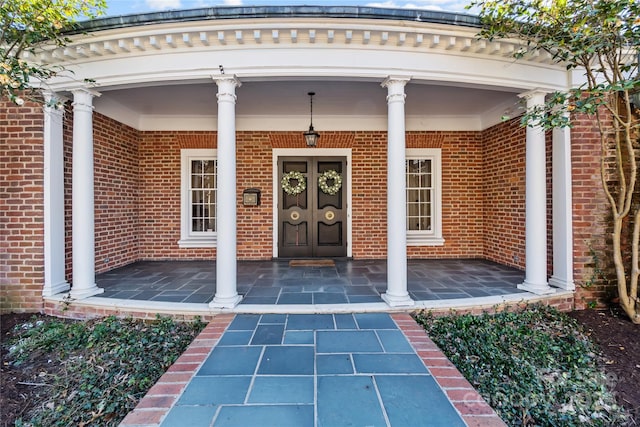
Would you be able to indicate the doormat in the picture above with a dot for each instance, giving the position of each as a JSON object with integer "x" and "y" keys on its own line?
{"x": 312, "y": 263}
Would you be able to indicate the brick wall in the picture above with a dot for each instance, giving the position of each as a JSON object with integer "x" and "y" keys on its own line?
{"x": 503, "y": 185}
{"x": 116, "y": 193}
{"x": 159, "y": 202}
{"x": 462, "y": 207}
{"x": 116, "y": 178}
{"x": 369, "y": 195}
{"x": 21, "y": 207}
{"x": 590, "y": 211}
{"x": 254, "y": 170}
{"x": 159, "y": 179}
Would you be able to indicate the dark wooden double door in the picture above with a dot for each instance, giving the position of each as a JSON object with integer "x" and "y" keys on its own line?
{"x": 312, "y": 223}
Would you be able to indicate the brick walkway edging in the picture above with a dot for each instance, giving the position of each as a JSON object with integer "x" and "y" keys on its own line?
{"x": 475, "y": 411}
{"x": 155, "y": 405}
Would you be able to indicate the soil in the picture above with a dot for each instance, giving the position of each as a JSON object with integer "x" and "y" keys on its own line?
{"x": 619, "y": 342}
{"x": 21, "y": 387}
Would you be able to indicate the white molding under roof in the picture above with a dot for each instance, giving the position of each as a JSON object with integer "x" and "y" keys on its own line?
{"x": 287, "y": 123}
{"x": 264, "y": 48}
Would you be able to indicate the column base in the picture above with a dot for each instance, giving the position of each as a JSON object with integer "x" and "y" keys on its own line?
{"x": 228, "y": 302}
{"x": 58, "y": 288}
{"x": 562, "y": 284}
{"x": 537, "y": 288}
{"x": 394, "y": 301}
{"x": 85, "y": 293}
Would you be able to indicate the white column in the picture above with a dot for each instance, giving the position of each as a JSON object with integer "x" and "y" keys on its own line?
{"x": 562, "y": 211}
{"x": 536, "y": 203}
{"x": 226, "y": 264}
{"x": 84, "y": 271}
{"x": 396, "y": 294}
{"x": 54, "y": 262}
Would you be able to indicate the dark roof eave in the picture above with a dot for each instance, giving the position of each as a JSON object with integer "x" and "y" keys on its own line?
{"x": 213, "y": 13}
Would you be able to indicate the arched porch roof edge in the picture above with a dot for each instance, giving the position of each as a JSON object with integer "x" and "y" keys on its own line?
{"x": 220, "y": 13}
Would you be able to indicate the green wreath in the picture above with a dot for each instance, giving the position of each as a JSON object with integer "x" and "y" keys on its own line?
{"x": 330, "y": 175}
{"x": 290, "y": 189}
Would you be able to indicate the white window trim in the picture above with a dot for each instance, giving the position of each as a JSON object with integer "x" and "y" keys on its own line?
{"x": 189, "y": 239}
{"x": 431, "y": 237}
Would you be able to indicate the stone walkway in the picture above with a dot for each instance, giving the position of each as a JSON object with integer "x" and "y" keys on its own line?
{"x": 317, "y": 370}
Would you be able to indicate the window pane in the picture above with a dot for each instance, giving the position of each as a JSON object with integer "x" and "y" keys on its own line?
{"x": 208, "y": 167}
{"x": 196, "y": 166}
{"x": 413, "y": 180}
{"x": 203, "y": 195}
{"x": 425, "y": 180}
{"x": 419, "y": 194}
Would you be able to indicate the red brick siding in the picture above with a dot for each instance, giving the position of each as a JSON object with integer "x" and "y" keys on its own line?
{"x": 369, "y": 195}
{"x": 462, "y": 208}
{"x": 590, "y": 211}
{"x": 254, "y": 170}
{"x": 116, "y": 193}
{"x": 160, "y": 192}
{"x": 21, "y": 207}
{"x": 503, "y": 185}
{"x": 159, "y": 202}
{"x": 115, "y": 148}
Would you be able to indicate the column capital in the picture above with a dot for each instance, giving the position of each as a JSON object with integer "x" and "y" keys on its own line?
{"x": 395, "y": 81}
{"x": 83, "y": 97}
{"x": 395, "y": 88}
{"x": 534, "y": 97}
{"x": 227, "y": 81}
{"x": 54, "y": 102}
{"x": 227, "y": 85}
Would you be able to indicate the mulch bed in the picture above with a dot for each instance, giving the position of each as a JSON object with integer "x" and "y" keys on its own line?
{"x": 618, "y": 338}
{"x": 619, "y": 342}
{"x": 18, "y": 390}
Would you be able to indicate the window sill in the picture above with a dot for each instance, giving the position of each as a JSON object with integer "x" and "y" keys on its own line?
{"x": 198, "y": 242}
{"x": 425, "y": 241}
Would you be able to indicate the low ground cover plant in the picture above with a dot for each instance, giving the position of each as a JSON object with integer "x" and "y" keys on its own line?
{"x": 101, "y": 368}
{"x": 535, "y": 367}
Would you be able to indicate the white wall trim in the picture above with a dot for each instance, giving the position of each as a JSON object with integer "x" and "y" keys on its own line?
{"x": 316, "y": 152}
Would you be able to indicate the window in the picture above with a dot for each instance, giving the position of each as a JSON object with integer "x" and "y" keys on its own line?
{"x": 198, "y": 195}
{"x": 424, "y": 199}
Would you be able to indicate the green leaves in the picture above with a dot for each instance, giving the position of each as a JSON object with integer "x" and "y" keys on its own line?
{"x": 599, "y": 39}
{"x": 28, "y": 25}
{"x": 534, "y": 367}
{"x": 108, "y": 365}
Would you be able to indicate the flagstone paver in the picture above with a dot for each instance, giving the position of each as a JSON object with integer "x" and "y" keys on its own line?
{"x": 317, "y": 370}
{"x": 277, "y": 283}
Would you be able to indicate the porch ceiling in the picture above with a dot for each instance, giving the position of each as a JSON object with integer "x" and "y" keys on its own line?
{"x": 288, "y": 98}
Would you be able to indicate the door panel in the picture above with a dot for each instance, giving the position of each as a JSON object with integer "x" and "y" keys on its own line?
{"x": 312, "y": 223}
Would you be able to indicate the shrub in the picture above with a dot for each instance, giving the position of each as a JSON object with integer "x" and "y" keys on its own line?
{"x": 534, "y": 367}
{"x": 104, "y": 366}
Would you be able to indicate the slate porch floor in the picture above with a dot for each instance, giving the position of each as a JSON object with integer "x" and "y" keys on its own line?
{"x": 275, "y": 282}
{"x": 313, "y": 370}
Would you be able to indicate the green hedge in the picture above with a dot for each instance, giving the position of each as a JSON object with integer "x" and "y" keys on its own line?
{"x": 535, "y": 367}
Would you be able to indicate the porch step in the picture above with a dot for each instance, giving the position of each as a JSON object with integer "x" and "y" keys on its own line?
{"x": 312, "y": 263}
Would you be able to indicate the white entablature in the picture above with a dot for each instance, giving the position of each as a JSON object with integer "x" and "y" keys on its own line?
{"x": 298, "y": 47}
{"x": 204, "y": 35}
